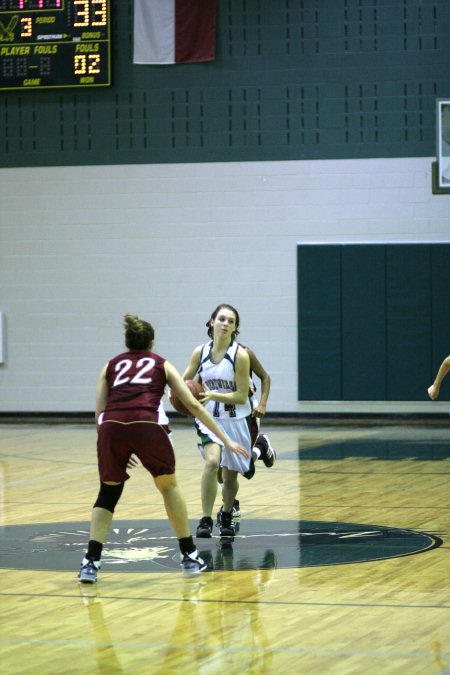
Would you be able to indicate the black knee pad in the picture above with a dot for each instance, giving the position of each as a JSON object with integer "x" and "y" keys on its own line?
{"x": 108, "y": 496}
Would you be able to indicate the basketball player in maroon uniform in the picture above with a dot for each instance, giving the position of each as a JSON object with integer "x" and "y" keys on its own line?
{"x": 128, "y": 395}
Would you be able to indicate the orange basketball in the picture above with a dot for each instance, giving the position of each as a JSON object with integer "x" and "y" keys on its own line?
{"x": 196, "y": 389}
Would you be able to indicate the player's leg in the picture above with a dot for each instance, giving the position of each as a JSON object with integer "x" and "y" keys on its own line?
{"x": 176, "y": 510}
{"x": 102, "y": 515}
{"x": 240, "y": 430}
{"x": 261, "y": 444}
{"x": 230, "y": 490}
{"x": 208, "y": 488}
{"x": 103, "y": 510}
{"x": 174, "y": 504}
{"x": 209, "y": 481}
{"x": 236, "y": 510}
{"x": 113, "y": 451}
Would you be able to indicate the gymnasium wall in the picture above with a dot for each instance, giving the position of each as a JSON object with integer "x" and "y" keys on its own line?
{"x": 180, "y": 188}
{"x": 83, "y": 245}
{"x": 298, "y": 79}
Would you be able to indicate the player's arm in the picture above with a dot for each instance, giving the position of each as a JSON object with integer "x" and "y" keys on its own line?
{"x": 101, "y": 393}
{"x": 433, "y": 391}
{"x": 183, "y": 393}
{"x": 193, "y": 365}
{"x": 242, "y": 377}
{"x": 260, "y": 372}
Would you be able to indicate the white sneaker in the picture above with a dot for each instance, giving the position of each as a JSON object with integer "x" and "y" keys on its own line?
{"x": 191, "y": 563}
{"x": 88, "y": 571}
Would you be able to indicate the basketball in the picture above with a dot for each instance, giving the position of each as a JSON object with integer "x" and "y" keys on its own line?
{"x": 196, "y": 389}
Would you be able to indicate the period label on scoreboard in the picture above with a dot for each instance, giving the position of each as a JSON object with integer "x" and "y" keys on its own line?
{"x": 54, "y": 43}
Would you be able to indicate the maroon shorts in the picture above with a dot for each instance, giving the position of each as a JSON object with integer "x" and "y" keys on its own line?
{"x": 122, "y": 434}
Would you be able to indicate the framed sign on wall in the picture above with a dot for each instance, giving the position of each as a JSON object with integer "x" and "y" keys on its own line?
{"x": 443, "y": 142}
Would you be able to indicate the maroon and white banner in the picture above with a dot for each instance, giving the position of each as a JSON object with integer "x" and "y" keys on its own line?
{"x": 174, "y": 31}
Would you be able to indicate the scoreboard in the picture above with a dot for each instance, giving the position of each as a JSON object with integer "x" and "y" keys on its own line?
{"x": 54, "y": 43}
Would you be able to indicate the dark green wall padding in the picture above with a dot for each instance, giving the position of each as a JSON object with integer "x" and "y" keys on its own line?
{"x": 297, "y": 79}
{"x": 373, "y": 321}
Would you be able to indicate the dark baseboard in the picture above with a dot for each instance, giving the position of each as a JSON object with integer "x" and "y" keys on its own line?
{"x": 272, "y": 418}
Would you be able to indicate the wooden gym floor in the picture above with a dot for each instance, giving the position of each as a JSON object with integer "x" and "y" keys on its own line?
{"x": 341, "y": 563}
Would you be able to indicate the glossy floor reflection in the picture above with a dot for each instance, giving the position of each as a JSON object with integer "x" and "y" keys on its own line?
{"x": 340, "y": 564}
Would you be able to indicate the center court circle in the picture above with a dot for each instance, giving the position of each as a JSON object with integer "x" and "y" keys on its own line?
{"x": 150, "y": 545}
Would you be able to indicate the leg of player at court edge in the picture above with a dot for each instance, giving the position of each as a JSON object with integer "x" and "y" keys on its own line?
{"x": 101, "y": 517}
{"x": 177, "y": 513}
{"x": 100, "y": 523}
{"x": 236, "y": 507}
{"x": 174, "y": 503}
{"x": 230, "y": 489}
{"x": 209, "y": 477}
{"x": 209, "y": 487}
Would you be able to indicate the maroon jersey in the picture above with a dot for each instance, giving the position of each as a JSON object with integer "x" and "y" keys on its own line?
{"x": 136, "y": 381}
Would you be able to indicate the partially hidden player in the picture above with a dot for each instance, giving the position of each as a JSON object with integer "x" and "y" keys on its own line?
{"x": 433, "y": 390}
{"x": 262, "y": 448}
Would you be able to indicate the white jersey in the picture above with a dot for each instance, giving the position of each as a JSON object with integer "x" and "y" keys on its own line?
{"x": 221, "y": 378}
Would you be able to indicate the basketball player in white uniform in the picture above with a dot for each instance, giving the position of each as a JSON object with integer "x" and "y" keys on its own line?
{"x": 223, "y": 367}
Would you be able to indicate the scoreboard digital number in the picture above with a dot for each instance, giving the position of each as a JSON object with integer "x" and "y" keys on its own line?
{"x": 54, "y": 43}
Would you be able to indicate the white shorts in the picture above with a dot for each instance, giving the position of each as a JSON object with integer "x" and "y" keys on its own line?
{"x": 238, "y": 430}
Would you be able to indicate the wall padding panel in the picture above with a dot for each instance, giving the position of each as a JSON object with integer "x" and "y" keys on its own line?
{"x": 373, "y": 320}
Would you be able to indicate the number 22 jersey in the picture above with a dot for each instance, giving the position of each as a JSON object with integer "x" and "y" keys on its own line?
{"x": 136, "y": 381}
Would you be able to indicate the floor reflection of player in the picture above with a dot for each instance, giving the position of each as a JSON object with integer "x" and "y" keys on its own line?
{"x": 437, "y": 653}
{"x": 224, "y": 559}
{"x": 105, "y": 655}
{"x": 226, "y": 631}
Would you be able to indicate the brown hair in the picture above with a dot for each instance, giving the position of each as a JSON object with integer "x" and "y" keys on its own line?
{"x": 139, "y": 334}
{"x": 215, "y": 313}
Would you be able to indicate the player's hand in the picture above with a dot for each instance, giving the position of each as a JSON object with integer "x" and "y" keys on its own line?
{"x": 259, "y": 410}
{"x": 205, "y": 397}
{"x": 132, "y": 462}
{"x": 237, "y": 449}
{"x": 433, "y": 392}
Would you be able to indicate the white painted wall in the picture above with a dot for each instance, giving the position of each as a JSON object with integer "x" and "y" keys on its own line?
{"x": 81, "y": 246}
